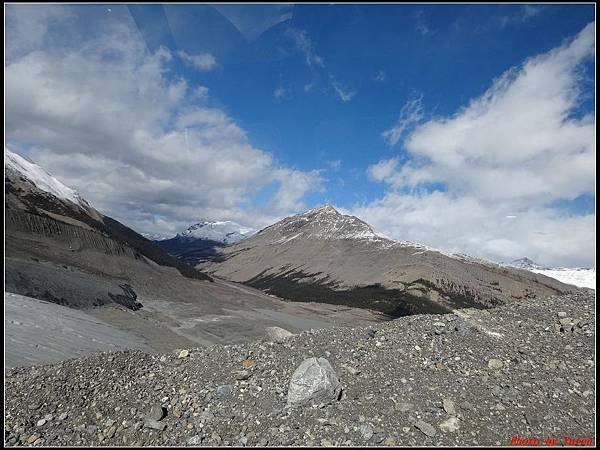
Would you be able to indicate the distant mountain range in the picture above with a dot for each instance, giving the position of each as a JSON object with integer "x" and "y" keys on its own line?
{"x": 322, "y": 255}
{"x": 577, "y": 276}
{"x": 199, "y": 242}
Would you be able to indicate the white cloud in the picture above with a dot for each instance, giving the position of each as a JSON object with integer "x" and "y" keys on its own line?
{"x": 523, "y": 14}
{"x": 28, "y": 25}
{"x": 341, "y": 91}
{"x": 410, "y": 115}
{"x": 470, "y": 225}
{"x": 280, "y": 94}
{"x": 305, "y": 46}
{"x": 200, "y": 93}
{"x": 334, "y": 165}
{"x": 201, "y": 61}
{"x": 140, "y": 145}
{"x": 502, "y": 159}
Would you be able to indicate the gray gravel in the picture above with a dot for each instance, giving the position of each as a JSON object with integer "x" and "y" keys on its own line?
{"x": 406, "y": 382}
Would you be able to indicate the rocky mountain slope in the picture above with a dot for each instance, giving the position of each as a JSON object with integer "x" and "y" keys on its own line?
{"x": 37, "y": 203}
{"x": 58, "y": 248}
{"x": 201, "y": 241}
{"x": 326, "y": 256}
{"x": 470, "y": 378}
{"x": 577, "y": 276}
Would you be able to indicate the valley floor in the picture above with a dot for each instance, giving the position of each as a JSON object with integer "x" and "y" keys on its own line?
{"x": 473, "y": 377}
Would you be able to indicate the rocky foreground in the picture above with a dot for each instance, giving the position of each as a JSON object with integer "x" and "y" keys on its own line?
{"x": 475, "y": 377}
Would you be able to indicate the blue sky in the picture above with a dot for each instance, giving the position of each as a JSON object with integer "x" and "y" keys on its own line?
{"x": 283, "y": 107}
{"x": 447, "y": 54}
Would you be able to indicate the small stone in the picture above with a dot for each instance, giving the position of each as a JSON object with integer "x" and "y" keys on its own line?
{"x": 561, "y": 314}
{"x": 449, "y": 406}
{"x": 195, "y": 440}
{"x": 184, "y": 354}
{"x": 366, "y": 432}
{"x": 63, "y": 416}
{"x": 351, "y": 370}
{"x": 224, "y": 390}
{"x": 533, "y": 421}
{"x": 111, "y": 432}
{"x": 242, "y": 374}
{"x": 155, "y": 424}
{"x": 390, "y": 442}
{"x": 40, "y": 423}
{"x": 450, "y": 426}
{"x": 157, "y": 412}
{"x": 425, "y": 428}
{"x": 278, "y": 334}
{"x": 495, "y": 364}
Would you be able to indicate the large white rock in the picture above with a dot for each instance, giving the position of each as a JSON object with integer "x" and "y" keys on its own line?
{"x": 315, "y": 383}
{"x": 278, "y": 334}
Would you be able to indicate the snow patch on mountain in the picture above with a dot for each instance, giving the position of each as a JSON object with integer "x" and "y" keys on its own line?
{"x": 226, "y": 232}
{"x": 41, "y": 179}
{"x": 580, "y": 277}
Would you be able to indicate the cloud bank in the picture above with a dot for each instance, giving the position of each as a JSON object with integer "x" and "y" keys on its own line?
{"x": 143, "y": 145}
{"x": 513, "y": 151}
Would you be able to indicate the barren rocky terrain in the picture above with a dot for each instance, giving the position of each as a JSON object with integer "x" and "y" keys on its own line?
{"x": 472, "y": 377}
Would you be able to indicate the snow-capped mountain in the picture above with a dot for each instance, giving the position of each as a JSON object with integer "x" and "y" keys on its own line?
{"x": 41, "y": 179}
{"x": 577, "y": 276}
{"x": 200, "y": 241}
{"x": 225, "y": 232}
{"x": 156, "y": 236}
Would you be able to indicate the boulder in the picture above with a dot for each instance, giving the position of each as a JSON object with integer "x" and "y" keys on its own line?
{"x": 314, "y": 382}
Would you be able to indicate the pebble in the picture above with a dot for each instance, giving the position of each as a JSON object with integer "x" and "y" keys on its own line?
{"x": 495, "y": 364}
{"x": 425, "y": 428}
{"x": 449, "y": 406}
{"x": 450, "y": 425}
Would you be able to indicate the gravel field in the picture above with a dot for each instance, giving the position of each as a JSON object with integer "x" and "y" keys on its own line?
{"x": 474, "y": 377}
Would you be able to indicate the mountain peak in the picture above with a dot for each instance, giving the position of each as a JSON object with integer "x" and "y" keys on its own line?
{"x": 525, "y": 263}
{"x": 323, "y": 209}
{"x": 322, "y": 222}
